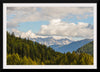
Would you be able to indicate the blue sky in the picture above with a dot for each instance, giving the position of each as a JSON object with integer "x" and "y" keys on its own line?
{"x": 34, "y": 26}
{"x": 51, "y": 21}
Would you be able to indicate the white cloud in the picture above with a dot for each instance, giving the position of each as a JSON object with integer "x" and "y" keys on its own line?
{"x": 21, "y": 14}
{"x": 59, "y": 28}
{"x": 60, "y": 12}
{"x": 24, "y": 14}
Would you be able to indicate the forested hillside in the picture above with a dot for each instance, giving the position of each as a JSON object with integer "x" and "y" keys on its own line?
{"x": 88, "y": 48}
{"x": 26, "y": 52}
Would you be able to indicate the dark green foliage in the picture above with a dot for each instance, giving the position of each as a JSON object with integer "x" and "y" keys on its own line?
{"x": 26, "y": 52}
{"x": 88, "y": 48}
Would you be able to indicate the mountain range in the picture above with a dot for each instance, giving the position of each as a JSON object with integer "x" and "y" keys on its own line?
{"x": 51, "y": 41}
{"x": 70, "y": 47}
{"x": 62, "y": 45}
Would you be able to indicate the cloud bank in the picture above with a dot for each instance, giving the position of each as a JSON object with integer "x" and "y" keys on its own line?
{"x": 24, "y": 14}
{"x": 59, "y": 28}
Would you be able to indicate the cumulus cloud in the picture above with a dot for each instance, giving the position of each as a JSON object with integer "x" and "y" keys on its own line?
{"x": 24, "y": 14}
{"x": 59, "y": 28}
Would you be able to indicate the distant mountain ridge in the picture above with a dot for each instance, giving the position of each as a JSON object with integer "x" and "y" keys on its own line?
{"x": 51, "y": 41}
{"x": 70, "y": 47}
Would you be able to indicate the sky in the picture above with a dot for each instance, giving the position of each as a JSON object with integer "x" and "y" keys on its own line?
{"x": 74, "y": 23}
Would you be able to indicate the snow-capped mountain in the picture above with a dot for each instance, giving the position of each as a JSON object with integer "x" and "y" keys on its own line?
{"x": 51, "y": 41}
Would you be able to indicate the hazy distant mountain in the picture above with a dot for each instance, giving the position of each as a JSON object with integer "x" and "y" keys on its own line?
{"x": 70, "y": 47}
{"x": 51, "y": 41}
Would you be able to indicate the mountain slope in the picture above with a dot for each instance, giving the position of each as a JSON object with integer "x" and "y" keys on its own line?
{"x": 88, "y": 48}
{"x": 71, "y": 47}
